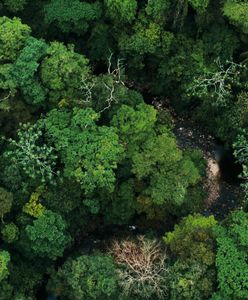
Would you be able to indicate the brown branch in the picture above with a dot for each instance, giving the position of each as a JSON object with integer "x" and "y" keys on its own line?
{"x": 141, "y": 263}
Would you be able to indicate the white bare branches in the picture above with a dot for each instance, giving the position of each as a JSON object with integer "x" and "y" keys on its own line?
{"x": 111, "y": 98}
{"x": 217, "y": 84}
{"x": 110, "y": 63}
{"x": 6, "y": 97}
{"x": 114, "y": 79}
{"x": 117, "y": 72}
{"x": 143, "y": 265}
{"x": 116, "y": 75}
{"x": 87, "y": 88}
{"x": 27, "y": 153}
{"x": 5, "y": 101}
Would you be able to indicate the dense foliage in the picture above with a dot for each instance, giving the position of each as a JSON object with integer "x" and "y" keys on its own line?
{"x": 90, "y": 93}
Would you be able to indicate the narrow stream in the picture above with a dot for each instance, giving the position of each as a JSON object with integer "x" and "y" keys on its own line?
{"x": 230, "y": 193}
{"x": 222, "y": 182}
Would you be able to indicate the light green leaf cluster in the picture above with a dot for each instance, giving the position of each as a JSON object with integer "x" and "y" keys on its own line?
{"x": 193, "y": 239}
{"x": 13, "y": 35}
{"x": 236, "y": 11}
{"x": 62, "y": 71}
{"x": 158, "y": 8}
{"x": 193, "y": 244}
{"x": 89, "y": 152}
{"x": 4, "y": 261}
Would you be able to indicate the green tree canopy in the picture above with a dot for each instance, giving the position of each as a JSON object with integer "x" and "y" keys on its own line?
{"x": 193, "y": 244}
{"x": 86, "y": 277}
{"x": 24, "y": 70}
{"x": 89, "y": 152}
{"x": 191, "y": 281}
{"x": 193, "y": 239}
{"x": 47, "y": 236}
{"x": 13, "y": 35}
{"x": 199, "y": 5}
{"x": 148, "y": 38}
{"x": 231, "y": 258}
{"x": 72, "y": 16}
{"x": 4, "y": 261}
{"x": 10, "y": 233}
{"x": 155, "y": 157}
{"x": 62, "y": 71}
{"x": 120, "y": 206}
{"x": 121, "y": 10}
{"x": 236, "y": 11}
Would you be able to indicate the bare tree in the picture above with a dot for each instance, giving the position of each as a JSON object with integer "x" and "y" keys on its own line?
{"x": 87, "y": 87}
{"x": 218, "y": 83}
{"x": 5, "y": 101}
{"x": 142, "y": 269}
{"x": 6, "y": 97}
{"x": 115, "y": 74}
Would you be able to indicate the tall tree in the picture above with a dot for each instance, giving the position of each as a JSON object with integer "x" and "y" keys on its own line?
{"x": 47, "y": 237}
{"x": 90, "y": 153}
{"x": 72, "y": 16}
{"x": 231, "y": 258}
{"x": 86, "y": 277}
{"x": 193, "y": 244}
{"x": 24, "y": 69}
{"x": 4, "y": 261}
{"x": 13, "y": 35}
{"x": 62, "y": 71}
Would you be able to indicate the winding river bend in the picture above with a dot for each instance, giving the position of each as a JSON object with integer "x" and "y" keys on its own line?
{"x": 222, "y": 182}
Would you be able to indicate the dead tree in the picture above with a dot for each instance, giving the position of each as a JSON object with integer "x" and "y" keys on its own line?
{"x": 142, "y": 267}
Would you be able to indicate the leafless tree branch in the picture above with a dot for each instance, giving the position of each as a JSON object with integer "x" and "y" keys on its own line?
{"x": 142, "y": 264}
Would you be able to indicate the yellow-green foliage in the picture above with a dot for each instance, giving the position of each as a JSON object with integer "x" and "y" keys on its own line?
{"x": 34, "y": 208}
{"x": 237, "y": 12}
{"x": 193, "y": 240}
{"x": 193, "y": 244}
{"x": 13, "y": 35}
